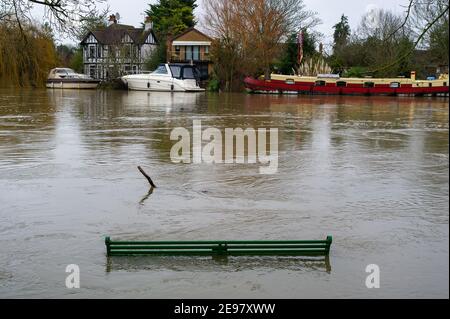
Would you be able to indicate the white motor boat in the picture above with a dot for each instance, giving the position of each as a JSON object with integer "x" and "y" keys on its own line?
{"x": 166, "y": 78}
{"x": 65, "y": 78}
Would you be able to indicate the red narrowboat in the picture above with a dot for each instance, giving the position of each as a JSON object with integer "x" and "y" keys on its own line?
{"x": 333, "y": 84}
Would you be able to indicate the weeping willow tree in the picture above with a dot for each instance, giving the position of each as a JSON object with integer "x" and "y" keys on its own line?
{"x": 27, "y": 53}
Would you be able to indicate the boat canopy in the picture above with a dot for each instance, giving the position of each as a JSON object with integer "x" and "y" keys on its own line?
{"x": 63, "y": 71}
{"x": 179, "y": 71}
{"x": 184, "y": 72}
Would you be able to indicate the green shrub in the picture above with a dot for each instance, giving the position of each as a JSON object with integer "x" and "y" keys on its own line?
{"x": 214, "y": 85}
{"x": 356, "y": 72}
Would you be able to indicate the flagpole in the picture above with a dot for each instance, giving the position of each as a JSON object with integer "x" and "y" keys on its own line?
{"x": 300, "y": 50}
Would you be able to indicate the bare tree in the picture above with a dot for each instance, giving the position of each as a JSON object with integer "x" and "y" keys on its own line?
{"x": 381, "y": 24}
{"x": 421, "y": 18}
{"x": 250, "y": 33}
{"x": 62, "y": 16}
{"x": 227, "y": 49}
{"x": 264, "y": 25}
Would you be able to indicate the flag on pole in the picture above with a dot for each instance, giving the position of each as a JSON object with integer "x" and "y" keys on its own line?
{"x": 300, "y": 47}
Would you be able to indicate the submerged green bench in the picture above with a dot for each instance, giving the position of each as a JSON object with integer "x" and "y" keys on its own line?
{"x": 225, "y": 248}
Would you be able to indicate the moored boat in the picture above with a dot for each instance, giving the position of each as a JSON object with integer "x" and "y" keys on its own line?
{"x": 65, "y": 78}
{"x": 166, "y": 78}
{"x": 333, "y": 84}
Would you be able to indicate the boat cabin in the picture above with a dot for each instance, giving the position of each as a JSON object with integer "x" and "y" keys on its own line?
{"x": 178, "y": 71}
{"x": 61, "y": 73}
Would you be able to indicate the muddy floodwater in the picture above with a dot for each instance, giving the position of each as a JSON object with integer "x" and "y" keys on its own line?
{"x": 370, "y": 171}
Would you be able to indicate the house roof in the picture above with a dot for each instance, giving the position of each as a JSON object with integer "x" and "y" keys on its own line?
{"x": 114, "y": 33}
{"x": 188, "y": 31}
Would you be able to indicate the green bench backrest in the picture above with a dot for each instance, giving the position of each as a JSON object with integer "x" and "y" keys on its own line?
{"x": 229, "y": 248}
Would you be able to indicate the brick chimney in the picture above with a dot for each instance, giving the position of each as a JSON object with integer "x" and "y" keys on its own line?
{"x": 112, "y": 20}
{"x": 148, "y": 24}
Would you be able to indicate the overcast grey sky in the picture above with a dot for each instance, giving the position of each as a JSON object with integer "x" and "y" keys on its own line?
{"x": 329, "y": 11}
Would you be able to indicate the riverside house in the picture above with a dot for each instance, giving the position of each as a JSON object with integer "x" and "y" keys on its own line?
{"x": 193, "y": 47}
{"x": 117, "y": 49}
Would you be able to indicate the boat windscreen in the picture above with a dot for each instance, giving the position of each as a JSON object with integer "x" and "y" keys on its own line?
{"x": 190, "y": 73}
{"x": 160, "y": 70}
{"x": 176, "y": 71}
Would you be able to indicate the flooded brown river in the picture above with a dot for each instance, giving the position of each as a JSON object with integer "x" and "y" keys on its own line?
{"x": 370, "y": 171}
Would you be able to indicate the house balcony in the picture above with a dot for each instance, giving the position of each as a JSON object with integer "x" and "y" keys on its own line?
{"x": 180, "y": 57}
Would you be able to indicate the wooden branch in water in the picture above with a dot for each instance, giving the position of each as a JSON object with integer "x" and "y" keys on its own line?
{"x": 147, "y": 177}
{"x": 150, "y": 192}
